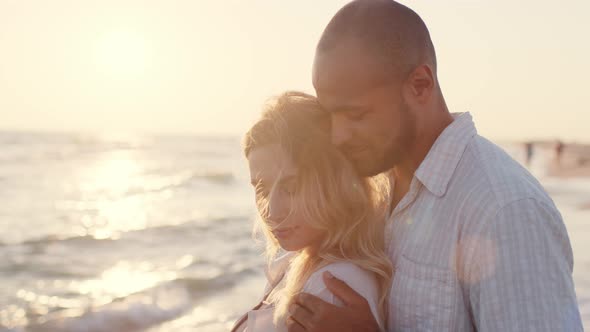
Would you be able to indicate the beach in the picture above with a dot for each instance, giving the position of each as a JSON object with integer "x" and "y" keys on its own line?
{"x": 153, "y": 233}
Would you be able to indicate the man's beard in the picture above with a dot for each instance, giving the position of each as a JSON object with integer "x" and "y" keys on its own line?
{"x": 396, "y": 151}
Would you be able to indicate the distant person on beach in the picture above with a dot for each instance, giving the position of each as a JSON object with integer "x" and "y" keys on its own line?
{"x": 529, "y": 149}
{"x": 559, "y": 146}
{"x": 475, "y": 241}
{"x": 316, "y": 214}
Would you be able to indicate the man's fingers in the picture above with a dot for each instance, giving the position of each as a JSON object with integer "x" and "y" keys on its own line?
{"x": 293, "y": 326}
{"x": 301, "y": 315}
{"x": 339, "y": 288}
{"x": 312, "y": 303}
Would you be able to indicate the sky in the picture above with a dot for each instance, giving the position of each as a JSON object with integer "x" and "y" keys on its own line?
{"x": 206, "y": 67}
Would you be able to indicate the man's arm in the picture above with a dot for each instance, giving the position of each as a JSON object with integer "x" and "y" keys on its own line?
{"x": 519, "y": 273}
{"x": 312, "y": 314}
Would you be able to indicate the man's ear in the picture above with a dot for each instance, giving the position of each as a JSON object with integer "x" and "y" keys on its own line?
{"x": 420, "y": 85}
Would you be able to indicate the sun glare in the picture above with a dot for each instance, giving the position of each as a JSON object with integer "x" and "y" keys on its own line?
{"x": 122, "y": 280}
{"x": 122, "y": 54}
{"x": 117, "y": 209}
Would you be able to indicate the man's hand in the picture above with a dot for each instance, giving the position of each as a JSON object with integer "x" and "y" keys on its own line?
{"x": 309, "y": 313}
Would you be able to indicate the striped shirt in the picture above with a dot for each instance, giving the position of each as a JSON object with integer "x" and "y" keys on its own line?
{"x": 478, "y": 245}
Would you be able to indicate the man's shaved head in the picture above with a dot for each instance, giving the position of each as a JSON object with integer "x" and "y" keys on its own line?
{"x": 385, "y": 29}
{"x": 375, "y": 72}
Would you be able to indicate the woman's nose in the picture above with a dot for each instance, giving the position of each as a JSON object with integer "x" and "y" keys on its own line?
{"x": 278, "y": 207}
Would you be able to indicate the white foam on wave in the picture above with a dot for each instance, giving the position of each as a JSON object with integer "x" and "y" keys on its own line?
{"x": 134, "y": 313}
{"x": 218, "y": 313}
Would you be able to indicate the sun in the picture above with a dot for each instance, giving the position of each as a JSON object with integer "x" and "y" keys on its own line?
{"x": 122, "y": 54}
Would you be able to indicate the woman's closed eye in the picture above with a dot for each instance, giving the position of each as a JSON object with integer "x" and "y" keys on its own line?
{"x": 288, "y": 186}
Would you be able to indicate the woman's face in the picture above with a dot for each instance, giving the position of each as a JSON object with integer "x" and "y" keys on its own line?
{"x": 273, "y": 176}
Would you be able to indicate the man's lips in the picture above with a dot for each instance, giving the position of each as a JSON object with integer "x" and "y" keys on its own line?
{"x": 353, "y": 151}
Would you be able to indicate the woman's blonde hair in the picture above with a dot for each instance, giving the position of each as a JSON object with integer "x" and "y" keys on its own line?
{"x": 329, "y": 195}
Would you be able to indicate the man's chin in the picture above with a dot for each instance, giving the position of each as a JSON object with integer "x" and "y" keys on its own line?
{"x": 368, "y": 169}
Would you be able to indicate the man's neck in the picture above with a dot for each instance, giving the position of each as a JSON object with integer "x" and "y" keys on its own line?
{"x": 403, "y": 172}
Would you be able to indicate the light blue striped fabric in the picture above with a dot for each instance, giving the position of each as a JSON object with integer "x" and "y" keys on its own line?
{"x": 478, "y": 245}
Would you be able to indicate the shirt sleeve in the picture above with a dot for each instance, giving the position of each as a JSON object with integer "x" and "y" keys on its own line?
{"x": 520, "y": 274}
{"x": 359, "y": 280}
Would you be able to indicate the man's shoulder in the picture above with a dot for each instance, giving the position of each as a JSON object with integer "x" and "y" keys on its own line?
{"x": 489, "y": 184}
{"x": 494, "y": 175}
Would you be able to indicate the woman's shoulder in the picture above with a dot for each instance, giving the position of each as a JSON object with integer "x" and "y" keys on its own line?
{"x": 347, "y": 269}
{"x": 359, "y": 279}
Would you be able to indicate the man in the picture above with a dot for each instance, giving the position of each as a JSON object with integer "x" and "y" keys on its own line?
{"x": 476, "y": 243}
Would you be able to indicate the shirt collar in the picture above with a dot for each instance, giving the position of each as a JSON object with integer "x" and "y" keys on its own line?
{"x": 436, "y": 170}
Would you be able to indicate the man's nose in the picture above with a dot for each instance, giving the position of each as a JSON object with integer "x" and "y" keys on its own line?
{"x": 340, "y": 131}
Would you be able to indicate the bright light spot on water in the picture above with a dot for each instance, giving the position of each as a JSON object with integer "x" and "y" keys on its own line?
{"x": 122, "y": 280}
{"x": 113, "y": 210}
{"x": 12, "y": 316}
{"x": 113, "y": 176}
{"x": 185, "y": 261}
{"x": 125, "y": 214}
{"x": 44, "y": 299}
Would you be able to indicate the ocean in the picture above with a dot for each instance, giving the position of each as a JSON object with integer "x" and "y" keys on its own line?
{"x": 153, "y": 233}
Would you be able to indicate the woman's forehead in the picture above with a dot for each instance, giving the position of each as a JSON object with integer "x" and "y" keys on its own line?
{"x": 270, "y": 163}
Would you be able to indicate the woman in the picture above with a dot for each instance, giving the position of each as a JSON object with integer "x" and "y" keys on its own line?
{"x": 313, "y": 206}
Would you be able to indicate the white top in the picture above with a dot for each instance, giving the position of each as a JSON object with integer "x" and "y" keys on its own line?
{"x": 363, "y": 282}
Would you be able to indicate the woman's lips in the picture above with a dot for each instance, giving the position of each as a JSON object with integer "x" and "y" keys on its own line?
{"x": 282, "y": 233}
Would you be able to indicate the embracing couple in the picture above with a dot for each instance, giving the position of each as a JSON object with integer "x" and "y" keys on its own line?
{"x": 383, "y": 211}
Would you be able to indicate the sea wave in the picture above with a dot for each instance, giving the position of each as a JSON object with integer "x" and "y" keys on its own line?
{"x": 219, "y": 178}
{"x": 163, "y": 302}
{"x": 132, "y": 313}
{"x": 196, "y": 225}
